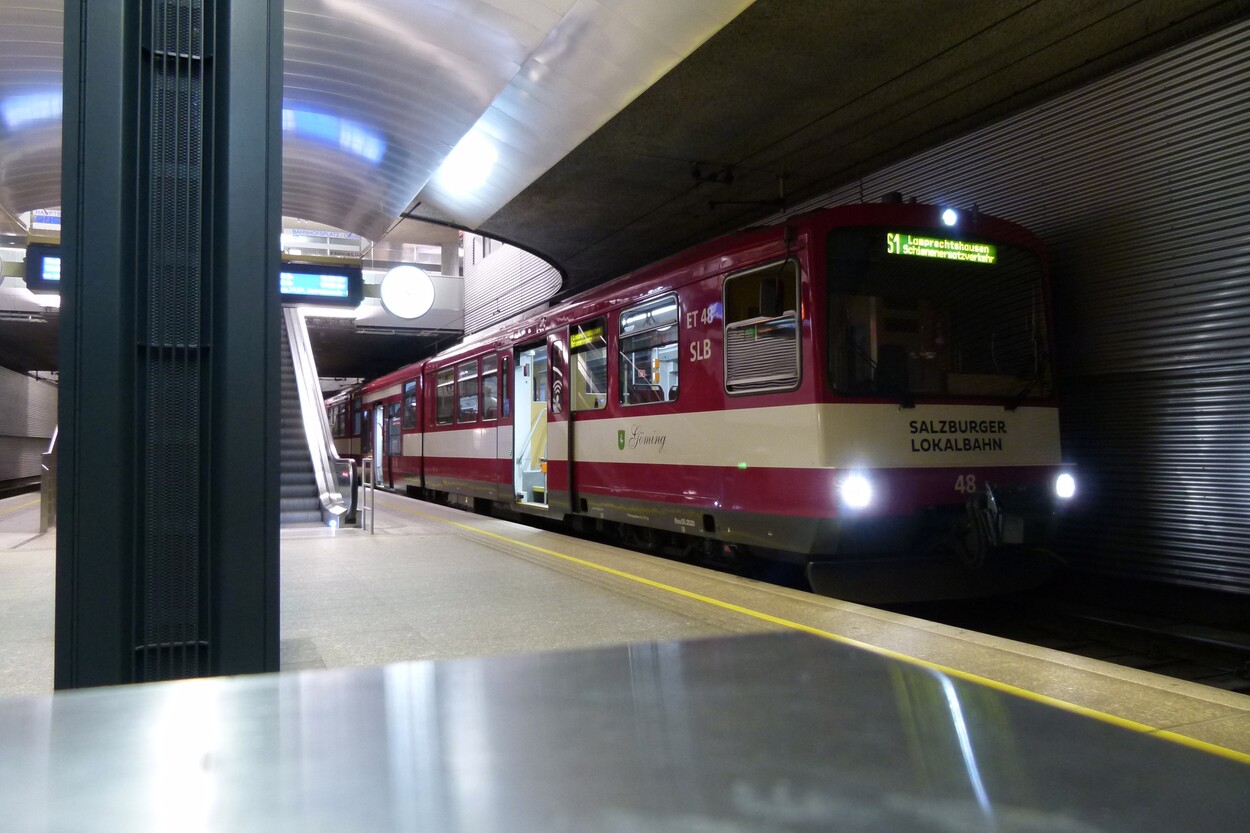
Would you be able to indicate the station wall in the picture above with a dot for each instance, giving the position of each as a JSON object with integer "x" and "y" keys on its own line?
{"x": 501, "y": 281}
{"x": 27, "y": 420}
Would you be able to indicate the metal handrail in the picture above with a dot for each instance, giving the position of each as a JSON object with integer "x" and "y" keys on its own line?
{"x": 47, "y": 484}
{"x": 525, "y": 446}
{"x": 334, "y": 474}
{"x": 368, "y": 493}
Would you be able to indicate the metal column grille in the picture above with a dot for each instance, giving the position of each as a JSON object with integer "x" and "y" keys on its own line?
{"x": 172, "y": 600}
{"x": 1139, "y": 183}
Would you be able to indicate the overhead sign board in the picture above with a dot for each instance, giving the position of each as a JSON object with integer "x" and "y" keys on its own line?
{"x": 43, "y": 267}
{"x": 308, "y": 283}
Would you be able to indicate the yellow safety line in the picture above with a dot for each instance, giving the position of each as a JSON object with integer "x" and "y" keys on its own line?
{"x": 1007, "y": 688}
{"x": 13, "y": 509}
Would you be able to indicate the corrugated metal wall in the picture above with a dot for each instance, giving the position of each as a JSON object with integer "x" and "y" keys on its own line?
{"x": 502, "y": 283}
{"x": 1140, "y": 183}
{"x": 27, "y": 419}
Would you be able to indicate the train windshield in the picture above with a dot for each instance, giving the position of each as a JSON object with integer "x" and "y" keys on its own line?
{"x": 912, "y": 313}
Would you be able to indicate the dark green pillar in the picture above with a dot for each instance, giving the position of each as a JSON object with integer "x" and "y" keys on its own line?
{"x": 167, "y": 547}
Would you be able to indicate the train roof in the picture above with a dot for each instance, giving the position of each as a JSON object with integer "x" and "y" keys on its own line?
{"x": 738, "y": 248}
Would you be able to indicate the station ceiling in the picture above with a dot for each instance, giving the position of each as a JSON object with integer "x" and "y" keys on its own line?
{"x": 621, "y": 131}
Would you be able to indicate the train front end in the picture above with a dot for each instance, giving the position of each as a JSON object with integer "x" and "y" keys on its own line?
{"x": 939, "y": 424}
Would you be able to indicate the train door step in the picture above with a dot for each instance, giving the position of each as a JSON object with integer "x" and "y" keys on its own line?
{"x": 534, "y": 496}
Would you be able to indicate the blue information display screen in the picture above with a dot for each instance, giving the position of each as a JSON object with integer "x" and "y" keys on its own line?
{"x": 310, "y": 283}
{"x": 43, "y": 267}
{"x": 321, "y": 286}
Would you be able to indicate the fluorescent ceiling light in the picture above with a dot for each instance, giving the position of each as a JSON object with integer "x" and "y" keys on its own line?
{"x": 344, "y": 134}
{"x": 468, "y": 165}
{"x": 319, "y": 311}
{"x": 22, "y": 110}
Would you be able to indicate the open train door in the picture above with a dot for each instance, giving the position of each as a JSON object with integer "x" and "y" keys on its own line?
{"x": 559, "y": 424}
{"x": 378, "y": 431}
{"x": 529, "y": 424}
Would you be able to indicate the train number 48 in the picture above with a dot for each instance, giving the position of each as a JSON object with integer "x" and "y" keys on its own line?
{"x": 966, "y": 484}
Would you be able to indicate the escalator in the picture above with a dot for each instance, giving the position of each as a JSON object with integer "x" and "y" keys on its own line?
{"x": 300, "y": 498}
{"x": 317, "y": 486}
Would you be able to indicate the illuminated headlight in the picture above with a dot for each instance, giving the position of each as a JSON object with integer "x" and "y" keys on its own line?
{"x": 855, "y": 491}
{"x": 1065, "y": 486}
{"x": 950, "y": 217}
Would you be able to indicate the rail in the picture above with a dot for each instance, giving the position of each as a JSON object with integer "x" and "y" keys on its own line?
{"x": 335, "y": 476}
{"x": 529, "y": 439}
{"x": 47, "y": 485}
{"x": 368, "y": 494}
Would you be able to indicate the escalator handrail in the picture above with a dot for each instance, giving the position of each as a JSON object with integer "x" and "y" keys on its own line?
{"x": 325, "y": 458}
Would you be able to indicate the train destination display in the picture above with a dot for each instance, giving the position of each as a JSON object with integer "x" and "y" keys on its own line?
{"x": 963, "y": 251}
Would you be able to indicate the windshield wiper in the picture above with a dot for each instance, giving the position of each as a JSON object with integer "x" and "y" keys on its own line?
{"x": 1019, "y": 398}
{"x": 900, "y": 388}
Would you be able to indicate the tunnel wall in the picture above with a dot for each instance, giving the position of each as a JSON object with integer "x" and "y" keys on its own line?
{"x": 1140, "y": 184}
{"x": 27, "y": 420}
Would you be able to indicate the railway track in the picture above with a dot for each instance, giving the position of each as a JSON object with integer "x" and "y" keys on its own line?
{"x": 1174, "y": 647}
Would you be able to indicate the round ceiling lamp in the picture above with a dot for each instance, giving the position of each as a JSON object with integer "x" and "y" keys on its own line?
{"x": 407, "y": 292}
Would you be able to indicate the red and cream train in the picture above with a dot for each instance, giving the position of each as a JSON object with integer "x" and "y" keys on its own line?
{"x": 865, "y": 389}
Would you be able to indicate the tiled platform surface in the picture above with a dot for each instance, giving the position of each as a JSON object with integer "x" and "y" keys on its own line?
{"x": 27, "y": 568}
{"x": 414, "y": 589}
{"x": 438, "y": 583}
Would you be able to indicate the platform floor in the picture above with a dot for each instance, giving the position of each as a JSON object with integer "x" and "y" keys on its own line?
{"x": 437, "y": 583}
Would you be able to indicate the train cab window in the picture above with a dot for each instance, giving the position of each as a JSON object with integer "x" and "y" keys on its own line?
{"x": 588, "y": 348}
{"x": 445, "y": 396}
{"x": 490, "y": 387}
{"x": 410, "y": 404}
{"x": 762, "y": 329}
{"x": 902, "y": 325}
{"x": 648, "y": 352}
{"x": 466, "y": 391}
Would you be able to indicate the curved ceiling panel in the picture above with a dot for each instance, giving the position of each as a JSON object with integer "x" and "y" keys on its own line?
{"x": 30, "y": 108}
{"x": 378, "y": 93}
{"x": 598, "y": 59}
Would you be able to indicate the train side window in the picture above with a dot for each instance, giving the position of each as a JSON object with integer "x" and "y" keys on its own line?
{"x": 762, "y": 329}
{"x": 648, "y": 352}
{"x": 466, "y": 391}
{"x": 358, "y": 415}
{"x": 410, "y": 404}
{"x": 394, "y": 435}
{"x": 445, "y": 396}
{"x": 490, "y": 387}
{"x": 588, "y": 348}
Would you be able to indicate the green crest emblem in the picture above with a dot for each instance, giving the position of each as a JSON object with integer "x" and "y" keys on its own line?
{"x": 620, "y": 440}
